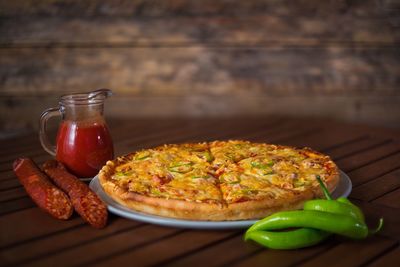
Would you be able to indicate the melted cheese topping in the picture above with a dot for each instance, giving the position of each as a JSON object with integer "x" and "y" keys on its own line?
{"x": 172, "y": 171}
{"x": 221, "y": 171}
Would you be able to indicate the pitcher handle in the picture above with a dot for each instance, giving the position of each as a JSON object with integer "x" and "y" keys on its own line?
{"x": 44, "y": 140}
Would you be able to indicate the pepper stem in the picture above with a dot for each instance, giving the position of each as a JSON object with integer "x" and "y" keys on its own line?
{"x": 371, "y": 232}
{"x": 324, "y": 189}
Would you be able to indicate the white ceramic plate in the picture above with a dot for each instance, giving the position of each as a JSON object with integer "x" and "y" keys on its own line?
{"x": 343, "y": 189}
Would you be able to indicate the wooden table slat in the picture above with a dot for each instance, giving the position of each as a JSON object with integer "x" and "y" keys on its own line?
{"x": 7, "y": 162}
{"x": 62, "y": 241}
{"x": 15, "y": 193}
{"x": 365, "y": 157}
{"x": 6, "y": 175}
{"x": 282, "y": 258}
{"x": 387, "y": 259}
{"x": 339, "y": 255}
{"x": 9, "y": 184}
{"x": 126, "y": 240}
{"x": 375, "y": 170}
{"x": 378, "y": 187}
{"x": 31, "y": 224}
{"x": 9, "y": 144}
{"x": 391, "y": 199}
{"x": 16, "y": 205}
{"x": 220, "y": 253}
{"x": 32, "y": 147}
{"x": 364, "y": 144}
{"x": 167, "y": 248}
{"x": 326, "y": 139}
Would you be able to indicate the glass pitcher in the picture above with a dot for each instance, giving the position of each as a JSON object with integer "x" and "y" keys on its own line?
{"x": 83, "y": 141}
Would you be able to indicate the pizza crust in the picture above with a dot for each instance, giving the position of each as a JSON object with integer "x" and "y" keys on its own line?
{"x": 203, "y": 211}
{"x": 190, "y": 210}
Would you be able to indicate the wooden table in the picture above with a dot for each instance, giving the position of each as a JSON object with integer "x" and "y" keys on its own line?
{"x": 370, "y": 156}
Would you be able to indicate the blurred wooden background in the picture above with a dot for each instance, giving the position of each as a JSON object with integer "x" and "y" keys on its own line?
{"x": 334, "y": 59}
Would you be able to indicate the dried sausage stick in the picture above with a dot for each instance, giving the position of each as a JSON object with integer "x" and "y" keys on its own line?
{"x": 38, "y": 186}
{"x": 84, "y": 200}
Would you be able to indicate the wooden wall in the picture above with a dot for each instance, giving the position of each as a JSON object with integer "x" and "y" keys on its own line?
{"x": 335, "y": 59}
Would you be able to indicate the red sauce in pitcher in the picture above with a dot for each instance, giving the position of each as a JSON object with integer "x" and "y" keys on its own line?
{"x": 84, "y": 147}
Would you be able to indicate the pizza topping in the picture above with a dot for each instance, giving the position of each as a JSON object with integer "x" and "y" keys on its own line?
{"x": 193, "y": 191}
{"x": 160, "y": 180}
{"x": 141, "y": 188}
{"x": 205, "y": 155}
{"x": 181, "y": 167}
{"x": 262, "y": 166}
{"x": 200, "y": 178}
{"x": 142, "y": 155}
{"x": 220, "y": 171}
{"x": 299, "y": 183}
{"x": 310, "y": 163}
{"x": 230, "y": 178}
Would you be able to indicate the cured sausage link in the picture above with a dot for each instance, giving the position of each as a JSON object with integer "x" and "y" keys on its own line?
{"x": 85, "y": 201}
{"x": 47, "y": 196}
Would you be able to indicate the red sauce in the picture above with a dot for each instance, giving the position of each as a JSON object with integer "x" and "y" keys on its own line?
{"x": 84, "y": 148}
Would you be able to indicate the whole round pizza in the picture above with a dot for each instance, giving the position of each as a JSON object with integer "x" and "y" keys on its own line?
{"x": 217, "y": 181}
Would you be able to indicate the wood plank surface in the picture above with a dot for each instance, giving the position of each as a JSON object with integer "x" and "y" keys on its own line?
{"x": 390, "y": 199}
{"x": 387, "y": 259}
{"x": 281, "y": 257}
{"x": 378, "y": 187}
{"x": 214, "y": 58}
{"x": 363, "y": 144}
{"x": 369, "y": 156}
{"x": 166, "y": 71}
{"x": 108, "y": 246}
{"x": 167, "y": 248}
{"x": 220, "y": 253}
{"x": 62, "y": 241}
{"x": 376, "y": 169}
{"x": 263, "y": 29}
{"x": 365, "y": 157}
{"x": 364, "y": 9}
{"x": 30, "y": 224}
{"x": 338, "y": 256}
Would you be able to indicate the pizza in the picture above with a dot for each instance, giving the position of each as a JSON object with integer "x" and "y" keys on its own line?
{"x": 217, "y": 181}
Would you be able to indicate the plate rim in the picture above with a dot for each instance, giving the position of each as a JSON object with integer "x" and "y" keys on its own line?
{"x": 118, "y": 209}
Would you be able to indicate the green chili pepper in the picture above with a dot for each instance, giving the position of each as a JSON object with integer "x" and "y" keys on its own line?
{"x": 200, "y": 177}
{"x": 356, "y": 210}
{"x": 334, "y": 206}
{"x": 333, "y": 223}
{"x": 341, "y": 205}
{"x": 181, "y": 167}
{"x": 349, "y": 221}
{"x": 320, "y": 217}
{"x": 380, "y": 225}
{"x": 299, "y": 238}
{"x": 142, "y": 155}
{"x": 209, "y": 157}
{"x": 259, "y": 165}
{"x": 324, "y": 189}
{"x": 344, "y": 200}
{"x": 121, "y": 174}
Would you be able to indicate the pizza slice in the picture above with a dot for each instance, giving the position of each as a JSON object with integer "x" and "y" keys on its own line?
{"x": 170, "y": 172}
